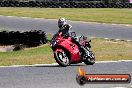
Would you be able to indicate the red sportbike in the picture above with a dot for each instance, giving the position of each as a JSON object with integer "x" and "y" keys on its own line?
{"x": 67, "y": 52}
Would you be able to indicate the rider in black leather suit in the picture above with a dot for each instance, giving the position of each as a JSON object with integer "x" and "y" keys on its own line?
{"x": 66, "y": 32}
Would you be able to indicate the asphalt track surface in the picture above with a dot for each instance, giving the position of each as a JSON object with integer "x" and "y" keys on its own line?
{"x": 53, "y": 76}
{"x": 89, "y": 29}
{"x": 60, "y": 77}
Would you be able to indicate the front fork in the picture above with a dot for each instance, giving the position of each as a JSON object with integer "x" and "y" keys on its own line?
{"x": 87, "y": 52}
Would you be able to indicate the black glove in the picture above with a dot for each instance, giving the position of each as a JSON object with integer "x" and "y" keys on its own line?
{"x": 65, "y": 35}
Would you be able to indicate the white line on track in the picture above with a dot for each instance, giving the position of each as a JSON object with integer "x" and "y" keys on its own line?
{"x": 113, "y": 61}
{"x": 117, "y": 39}
{"x": 55, "y": 64}
{"x": 118, "y": 87}
{"x": 129, "y": 25}
{"x": 129, "y": 40}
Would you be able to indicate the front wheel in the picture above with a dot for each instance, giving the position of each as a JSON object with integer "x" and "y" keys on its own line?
{"x": 90, "y": 60}
{"x": 61, "y": 57}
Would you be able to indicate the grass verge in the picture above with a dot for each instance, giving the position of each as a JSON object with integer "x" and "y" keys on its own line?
{"x": 112, "y": 49}
{"x": 103, "y": 49}
{"x": 39, "y": 55}
{"x": 105, "y": 15}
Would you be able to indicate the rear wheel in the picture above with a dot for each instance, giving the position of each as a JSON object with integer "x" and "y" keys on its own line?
{"x": 90, "y": 60}
{"x": 61, "y": 57}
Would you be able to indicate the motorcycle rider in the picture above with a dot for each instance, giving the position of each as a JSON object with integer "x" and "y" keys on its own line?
{"x": 65, "y": 28}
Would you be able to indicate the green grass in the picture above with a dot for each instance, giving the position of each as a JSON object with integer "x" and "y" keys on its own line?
{"x": 105, "y": 15}
{"x": 39, "y": 55}
{"x": 104, "y": 50}
{"x": 112, "y": 50}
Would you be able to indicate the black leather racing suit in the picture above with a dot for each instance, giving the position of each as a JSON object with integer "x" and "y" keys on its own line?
{"x": 65, "y": 29}
{"x": 66, "y": 32}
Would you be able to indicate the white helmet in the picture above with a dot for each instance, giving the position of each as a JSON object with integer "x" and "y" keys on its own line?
{"x": 61, "y": 22}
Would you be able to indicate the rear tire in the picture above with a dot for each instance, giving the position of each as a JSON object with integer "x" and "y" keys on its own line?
{"x": 61, "y": 57}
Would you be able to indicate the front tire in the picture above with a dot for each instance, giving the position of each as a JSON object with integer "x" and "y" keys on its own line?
{"x": 90, "y": 60}
{"x": 61, "y": 57}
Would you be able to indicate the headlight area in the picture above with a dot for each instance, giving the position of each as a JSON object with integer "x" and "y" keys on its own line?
{"x": 53, "y": 43}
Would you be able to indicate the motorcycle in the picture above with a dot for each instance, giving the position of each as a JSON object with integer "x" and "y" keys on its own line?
{"x": 67, "y": 52}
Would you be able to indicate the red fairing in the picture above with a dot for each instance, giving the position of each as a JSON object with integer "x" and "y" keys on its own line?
{"x": 72, "y": 48}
